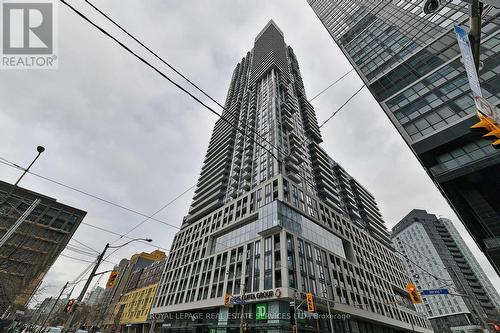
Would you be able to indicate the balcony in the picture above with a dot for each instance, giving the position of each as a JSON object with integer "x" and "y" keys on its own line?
{"x": 246, "y": 186}
{"x": 294, "y": 177}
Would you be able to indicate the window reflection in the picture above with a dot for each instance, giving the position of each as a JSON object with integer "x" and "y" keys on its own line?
{"x": 277, "y": 214}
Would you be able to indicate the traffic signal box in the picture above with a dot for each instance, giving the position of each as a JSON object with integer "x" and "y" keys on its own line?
{"x": 69, "y": 306}
{"x": 414, "y": 295}
{"x": 227, "y": 300}
{"x": 112, "y": 279}
{"x": 310, "y": 302}
{"x": 490, "y": 127}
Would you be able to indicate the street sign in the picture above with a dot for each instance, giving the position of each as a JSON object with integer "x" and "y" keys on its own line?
{"x": 468, "y": 59}
{"x": 486, "y": 108}
{"x": 239, "y": 300}
{"x": 261, "y": 311}
{"x": 435, "y": 292}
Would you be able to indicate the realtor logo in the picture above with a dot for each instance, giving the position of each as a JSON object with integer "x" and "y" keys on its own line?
{"x": 28, "y": 34}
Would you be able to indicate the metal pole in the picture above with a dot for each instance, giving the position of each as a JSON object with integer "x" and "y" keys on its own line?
{"x": 53, "y": 306}
{"x": 40, "y": 150}
{"x": 475, "y": 12}
{"x": 242, "y": 307}
{"x": 19, "y": 221}
{"x": 295, "y": 312}
{"x": 325, "y": 294}
{"x": 67, "y": 325}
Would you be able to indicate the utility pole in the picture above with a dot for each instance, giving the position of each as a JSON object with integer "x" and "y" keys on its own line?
{"x": 242, "y": 306}
{"x": 55, "y": 304}
{"x": 69, "y": 322}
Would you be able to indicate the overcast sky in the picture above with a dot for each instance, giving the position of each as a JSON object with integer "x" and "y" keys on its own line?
{"x": 114, "y": 128}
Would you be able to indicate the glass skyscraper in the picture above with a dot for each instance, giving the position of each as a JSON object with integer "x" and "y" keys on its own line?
{"x": 274, "y": 217}
{"x": 411, "y": 63}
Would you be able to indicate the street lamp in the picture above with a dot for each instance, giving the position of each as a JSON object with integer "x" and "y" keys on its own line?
{"x": 40, "y": 150}
{"x": 67, "y": 326}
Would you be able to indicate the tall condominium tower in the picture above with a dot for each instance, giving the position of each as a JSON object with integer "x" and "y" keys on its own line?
{"x": 437, "y": 258}
{"x": 411, "y": 63}
{"x": 274, "y": 217}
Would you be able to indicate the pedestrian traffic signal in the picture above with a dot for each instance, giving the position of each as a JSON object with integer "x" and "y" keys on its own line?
{"x": 496, "y": 327}
{"x": 69, "y": 306}
{"x": 492, "y": 129}
{"x": 414, "y": 295}
{"x": 227, "y": 300}
{"x": 310, "y": 302}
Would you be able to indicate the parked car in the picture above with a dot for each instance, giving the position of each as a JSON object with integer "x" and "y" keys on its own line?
{"x": 53, "y": 330}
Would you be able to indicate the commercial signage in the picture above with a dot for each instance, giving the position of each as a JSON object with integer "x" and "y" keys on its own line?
{"x": 261, "y": 311}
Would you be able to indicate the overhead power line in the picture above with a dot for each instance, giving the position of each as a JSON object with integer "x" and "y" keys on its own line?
{"x": 147, "y": 63}
{"x": 331, "y": 85}
{"x": 118, "y": 234}
{"x": 156, "y": 212}
{"x": 340, "y": 108}
{"x": 13, "y": 165}
{"x": 85, "y": 245}
{"x": 83, "y": 260}
{"x": 197, "y": 87}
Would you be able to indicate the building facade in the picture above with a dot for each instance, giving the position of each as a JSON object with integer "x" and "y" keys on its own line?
{"x": 136, "y": 302}
{"x": 30, "y": 252}
{"x": 130, "y": 277}
{"x": 274, "y": 217}
{"x": 411, "y": 63}
{"x": 437, "y": 258}
{"x": 95, "y": 296}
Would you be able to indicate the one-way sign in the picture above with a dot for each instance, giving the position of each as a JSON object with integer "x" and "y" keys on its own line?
{"x": 239, "y": 300}
{"x": 435, "y": 292}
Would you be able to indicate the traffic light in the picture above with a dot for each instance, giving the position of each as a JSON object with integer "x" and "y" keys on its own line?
{"x": 496, "y": 327}
{"x": 492, "y": 129}
{"x": 227, "y": 300}
{"x": 414, "y": 295}
{"x": 111, "y": 279}
{"x": 245, "y": 326}
{"x": 69, "y": 306}
{"x": 310, "y": 302}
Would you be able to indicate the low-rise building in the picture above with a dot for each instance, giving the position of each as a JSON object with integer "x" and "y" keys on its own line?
{"x": 130, "y": 298}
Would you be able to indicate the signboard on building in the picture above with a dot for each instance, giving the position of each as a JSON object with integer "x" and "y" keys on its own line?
{"x": 261, "y": 311}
